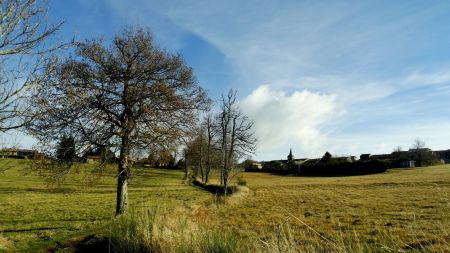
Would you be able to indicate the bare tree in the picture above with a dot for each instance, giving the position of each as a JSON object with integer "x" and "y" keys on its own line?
{"x": 130, "y": 94}
{"x": 194, "y": 154}
{"x": 422, "y": 155}
{"x": 236, "y": 136}
{"x": 209, "y": 145}
{"x": 24, "y": 41}
{"x": 397, "y": 149}
{"x": 201, "y": 152}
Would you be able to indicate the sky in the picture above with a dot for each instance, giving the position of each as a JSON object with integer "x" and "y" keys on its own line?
{"x": 347, "y": 77}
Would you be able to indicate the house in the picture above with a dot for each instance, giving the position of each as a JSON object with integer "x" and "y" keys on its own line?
{"x": 443, "y": 155}
{"x": 99, "y": 155}
{"x": 93, "y": 159}
{"x": 407, "y": 164}
{"x": 18, "y": 153}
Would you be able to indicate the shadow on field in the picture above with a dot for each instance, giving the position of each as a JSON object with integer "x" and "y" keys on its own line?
{"x": 215, "y": 189}
{"x": 37, "y": 190}
{"x": 90, "y": 243}
{"x": 30, "y": 229}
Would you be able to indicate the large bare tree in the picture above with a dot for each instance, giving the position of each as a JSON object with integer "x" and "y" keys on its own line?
{"x": 236, "y": 135}
{"x": 24, "y": 41}
{"x": 127, "y": 94}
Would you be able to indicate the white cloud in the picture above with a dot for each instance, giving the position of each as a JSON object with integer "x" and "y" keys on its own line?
{"x": 296, "y": 120}
{"x": 427, "y": 78}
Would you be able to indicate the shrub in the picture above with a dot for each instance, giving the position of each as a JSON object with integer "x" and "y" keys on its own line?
{"x": 240, "y": 180}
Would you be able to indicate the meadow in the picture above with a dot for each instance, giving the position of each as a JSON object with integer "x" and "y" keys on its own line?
{"x": 399, "y": 210}
{"x": 34, "y": 217}
{"x": 396, "y": 211}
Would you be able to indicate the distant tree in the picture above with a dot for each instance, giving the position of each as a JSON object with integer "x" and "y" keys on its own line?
{"x": 247, "y": 164}
{"x": 326, "y": 157}
{"x": 201, "y": 152}
{"x": 129, "y": 94}
{"x": 107, "y": 155}
{"x": 66, "y": 151}
{"x": 194, "y": 154}
{"x": 423, "y": 156}
{"x": 418, "y": 148}
{"x": 166, "y": 158}
{"x": 152, "y": 159}
{"x": 397, "y": 149}
{"x": 24, "y": 41}
{"x": 235, "y": 131}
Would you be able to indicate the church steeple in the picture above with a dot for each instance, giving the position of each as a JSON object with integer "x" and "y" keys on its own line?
{"x": 290, "y": 157}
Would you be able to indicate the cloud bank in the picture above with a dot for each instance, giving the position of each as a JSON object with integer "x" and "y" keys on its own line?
{"x": 298, "y": 120}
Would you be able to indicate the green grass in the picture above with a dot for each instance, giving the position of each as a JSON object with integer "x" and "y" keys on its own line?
{"x": 33, "y": 218}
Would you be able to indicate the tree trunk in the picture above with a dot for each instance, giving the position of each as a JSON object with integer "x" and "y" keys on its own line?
{"x": 122, "y": 192}
{"x": 225, "y": 183}
{"x": 122, "y": 178}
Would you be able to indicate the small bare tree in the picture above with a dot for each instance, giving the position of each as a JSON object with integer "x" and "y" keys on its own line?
{"x": 201, "y": 152}
{"x": 24, "y": 41}
{"x": 397, "y": 149}
{"x": 130, "y": 94}
{"x": 236, "y": 136}
{"x": 420, "y": 152}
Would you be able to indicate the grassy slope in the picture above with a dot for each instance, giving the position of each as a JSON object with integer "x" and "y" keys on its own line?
{"x": 32, "y": 218}
{"x": 403, "y": 209}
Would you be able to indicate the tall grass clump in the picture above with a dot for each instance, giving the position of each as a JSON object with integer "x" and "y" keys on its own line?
{"x": 240, "y": 180}
{"x": 134, "y": 232}
{"x": 151, "y": 231}
{"x": 215, "y": 241}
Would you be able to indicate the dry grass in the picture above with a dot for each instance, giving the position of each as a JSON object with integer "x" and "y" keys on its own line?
{"x": 401, "y": 210}
{"x": 5, "y": 244}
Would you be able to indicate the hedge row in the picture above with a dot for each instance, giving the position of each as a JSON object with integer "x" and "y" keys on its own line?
{"x": 343, "y": 168}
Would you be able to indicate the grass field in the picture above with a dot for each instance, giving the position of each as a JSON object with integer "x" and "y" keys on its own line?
{"x": 33, "y": 218}
{"x": 397, "y": 211}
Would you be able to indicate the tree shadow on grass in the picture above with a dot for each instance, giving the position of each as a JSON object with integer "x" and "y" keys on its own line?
{"x": 215, "y": 189}
{"x": 38, "y": 190}
{"x": 90, "y": 243}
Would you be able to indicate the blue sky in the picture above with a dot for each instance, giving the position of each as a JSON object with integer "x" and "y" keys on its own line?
{"x": 348, "y": 77}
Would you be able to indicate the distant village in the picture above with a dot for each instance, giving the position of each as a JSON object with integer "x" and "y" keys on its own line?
{"x": 397, "y": 159}
{"x": 89, "y": 157}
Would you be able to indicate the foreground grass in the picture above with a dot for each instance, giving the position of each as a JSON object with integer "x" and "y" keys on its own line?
{"x": 32, "y": 217}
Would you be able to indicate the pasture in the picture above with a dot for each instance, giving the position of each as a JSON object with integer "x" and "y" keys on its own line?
{"x": 397, "y": 211}
{"x": 33, "y": 217}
